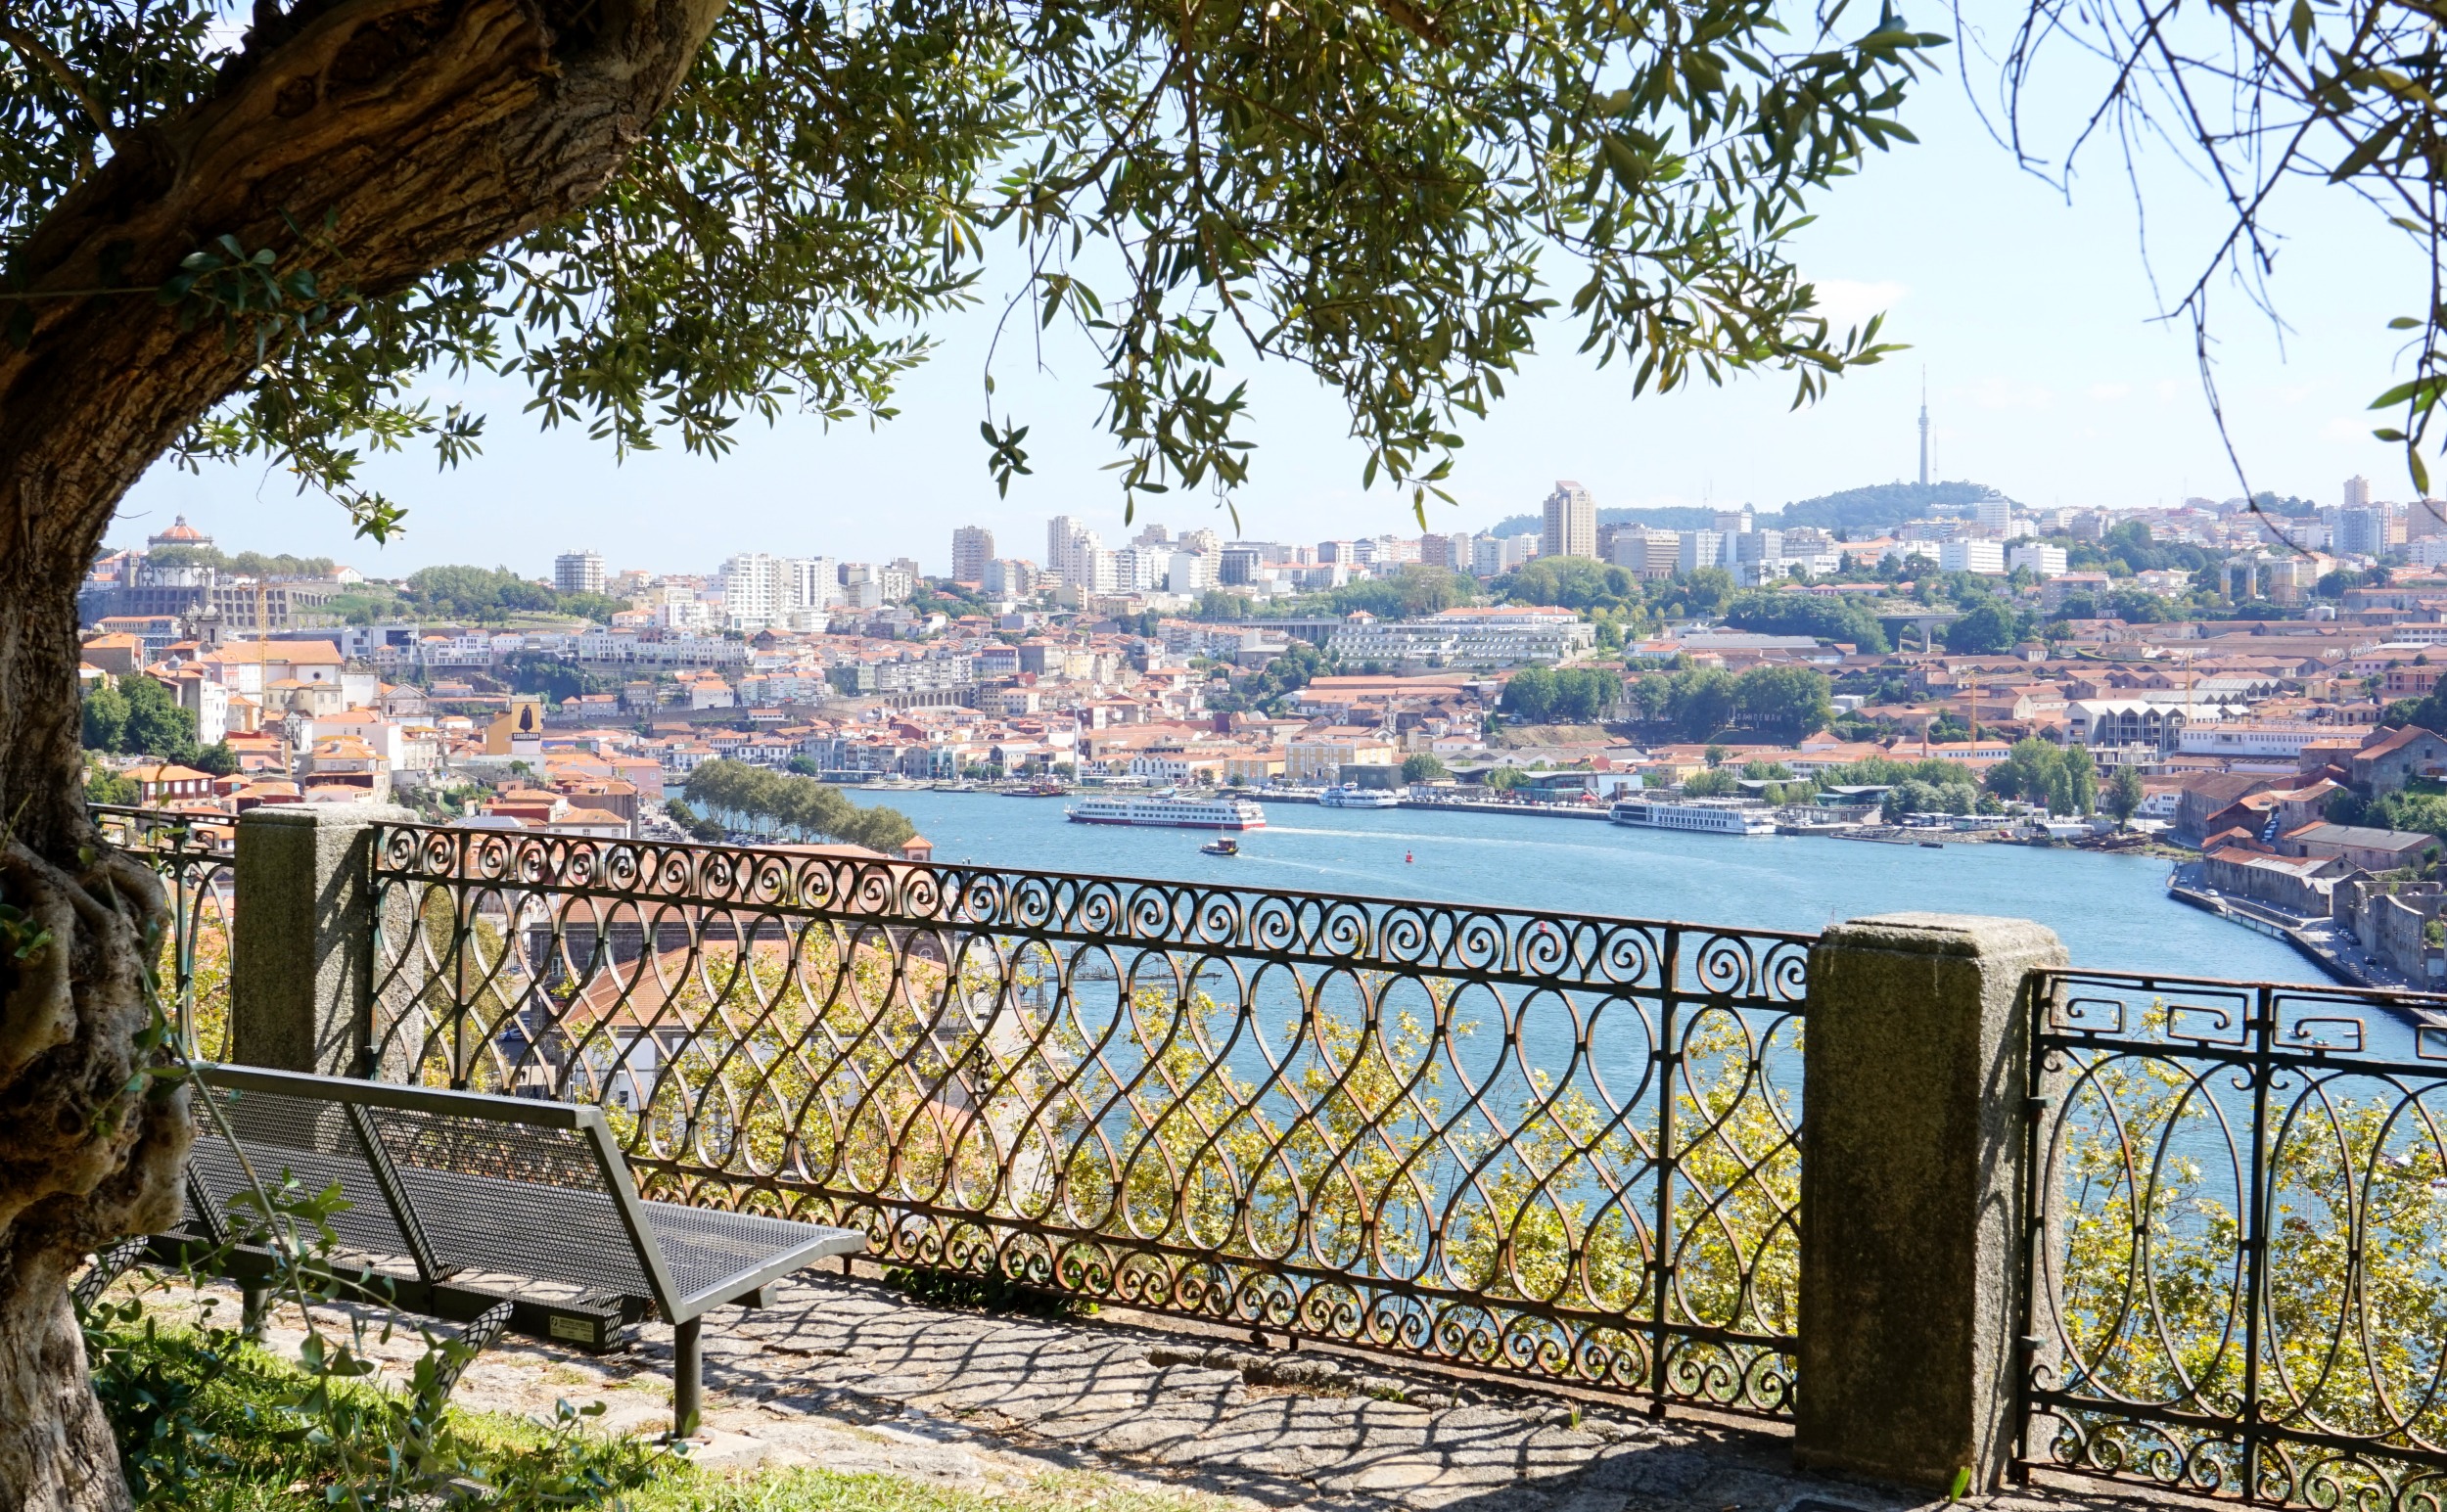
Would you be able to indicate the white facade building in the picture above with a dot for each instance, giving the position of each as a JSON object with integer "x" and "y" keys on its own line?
{"x": 1570, "y": 522}
{"x": 972, "y": 547}
{"x": 1191, "y": 571}
{"x": 577, "y": 572}
{"x": 2043, "y": 561}
{"x": 1010, "y": 578}
{"x": 1983, "y": 557}
{"x": 1698, "y": 549}
{"x": 1467, "y": 638}
{"x": 756, "y": 590}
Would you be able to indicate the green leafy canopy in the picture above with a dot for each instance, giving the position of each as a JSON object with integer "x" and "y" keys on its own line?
{"x": 1376, "y": 193}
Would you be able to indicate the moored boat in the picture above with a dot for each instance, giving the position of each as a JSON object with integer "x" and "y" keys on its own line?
{"x": 1352, "y": 796}
{"x": 1168, "y": 811}
{"x": 1698, "y": 815}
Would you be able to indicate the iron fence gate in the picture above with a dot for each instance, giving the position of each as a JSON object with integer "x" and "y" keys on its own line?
{"x": 2237, "y": 1282}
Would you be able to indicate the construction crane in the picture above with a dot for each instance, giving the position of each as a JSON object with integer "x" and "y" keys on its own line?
{"x": 262, "y": 667}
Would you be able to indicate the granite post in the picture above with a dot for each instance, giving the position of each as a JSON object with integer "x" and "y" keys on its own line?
{"x": 301, "y": 986}
{"x": 1913, "y": 1090}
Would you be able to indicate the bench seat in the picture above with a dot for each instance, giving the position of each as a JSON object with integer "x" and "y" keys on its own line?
{"x": 447, "y": 1192}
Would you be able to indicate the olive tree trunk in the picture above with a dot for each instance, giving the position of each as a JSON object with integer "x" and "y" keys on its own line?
{"x": 421, "y": 132}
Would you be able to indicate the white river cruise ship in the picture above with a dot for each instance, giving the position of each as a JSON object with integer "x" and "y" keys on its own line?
{"x": 1189, "y": 813}
{"x": 1705, "y": 815}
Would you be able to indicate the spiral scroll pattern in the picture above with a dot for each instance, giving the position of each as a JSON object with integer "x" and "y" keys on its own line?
{"x": 1560, "y": 1147}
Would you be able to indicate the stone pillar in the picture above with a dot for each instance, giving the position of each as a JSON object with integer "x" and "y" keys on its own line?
{"x": 301, "y": 987}
{"x": 1913, "y": 1099}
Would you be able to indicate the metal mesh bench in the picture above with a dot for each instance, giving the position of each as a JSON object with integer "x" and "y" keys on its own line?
{"x": 457, "y": 1201}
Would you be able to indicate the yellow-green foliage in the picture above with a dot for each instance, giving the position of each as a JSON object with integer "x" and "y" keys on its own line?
{"x": 2151, "y": 1173}
{"x": 1145, "y": 1126}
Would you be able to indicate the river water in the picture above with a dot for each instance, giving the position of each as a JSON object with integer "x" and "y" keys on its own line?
{"x": 2113, "y": 911}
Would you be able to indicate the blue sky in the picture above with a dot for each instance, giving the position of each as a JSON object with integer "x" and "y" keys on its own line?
{"x": 2034, "y": 315}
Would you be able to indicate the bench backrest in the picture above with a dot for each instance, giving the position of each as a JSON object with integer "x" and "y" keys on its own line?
{"x": 444, "y": 1181}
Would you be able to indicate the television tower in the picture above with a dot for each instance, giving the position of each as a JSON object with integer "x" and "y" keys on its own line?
{"x": 1923, "y": 428}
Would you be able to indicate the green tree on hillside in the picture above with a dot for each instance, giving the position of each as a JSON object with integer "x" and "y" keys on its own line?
{"x": 1703, "y": 590}
{"x": 1783, "y": 702}
{"x": 135, "y": 715}
{"x": 1987, "y": 628}
{"x": 105, "y": 716}
{"x": 1572, "y": 583}
{"x": 1768, "y": 612}
{"x": 1539, "y": 695}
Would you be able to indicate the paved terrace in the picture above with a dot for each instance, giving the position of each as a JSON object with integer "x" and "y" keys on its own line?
{"x": 851, "y": 1376}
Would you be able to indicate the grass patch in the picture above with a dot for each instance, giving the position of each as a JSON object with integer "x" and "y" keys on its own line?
{"x": 204, "y": 1420}
{"x": 223, "y": 1434}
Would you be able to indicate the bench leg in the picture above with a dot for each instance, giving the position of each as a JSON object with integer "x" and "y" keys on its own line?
{"x": 687, "y": 1377}
{"x": 252, "y": 1301}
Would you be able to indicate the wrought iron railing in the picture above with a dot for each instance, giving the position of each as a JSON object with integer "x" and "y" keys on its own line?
{"x": 1559, "y": 1147}
{"x": 194, "y": 860}
{"x": 2237, "y": 1276}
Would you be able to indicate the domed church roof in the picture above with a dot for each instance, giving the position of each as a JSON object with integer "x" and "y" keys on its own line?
{"x": 180, "y": 534}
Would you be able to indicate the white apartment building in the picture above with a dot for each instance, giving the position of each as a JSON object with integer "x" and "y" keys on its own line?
{"x": 1010, "y": 578}
{"x": 972, "y": 547}
{"x": 1967, "y": 556}
{"x": 756, "y": 588}
{"x": 1192, "y": 572}
{"x": 577, "y": 572}
{"x": 1758, "y": 546}
{"x": 1137, "y": 568}
{"x": 2043, "y": 561}
{"x": 1092, "y": 568}
{"x": 891, "y": 584}
{"x": 2246, "y": 738}
{"x": 1647, "y": 554}
{"x": 2359, "y": 530}
{"x": 1570, "y": 522}
{"x": 626, "y": 648}
{"x": 1697, "y": 549}
{"x": 814, "y": 582}
{"x": 762, "y": 590}
{"x": 689, "y": 614}
{"x": 1067, "y": 546}
{"x": 1995, "y": 517}
{"x": 1466, "y": 637}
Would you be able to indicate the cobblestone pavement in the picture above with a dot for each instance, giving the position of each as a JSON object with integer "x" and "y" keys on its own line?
{"x": 849, "y": 1376}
